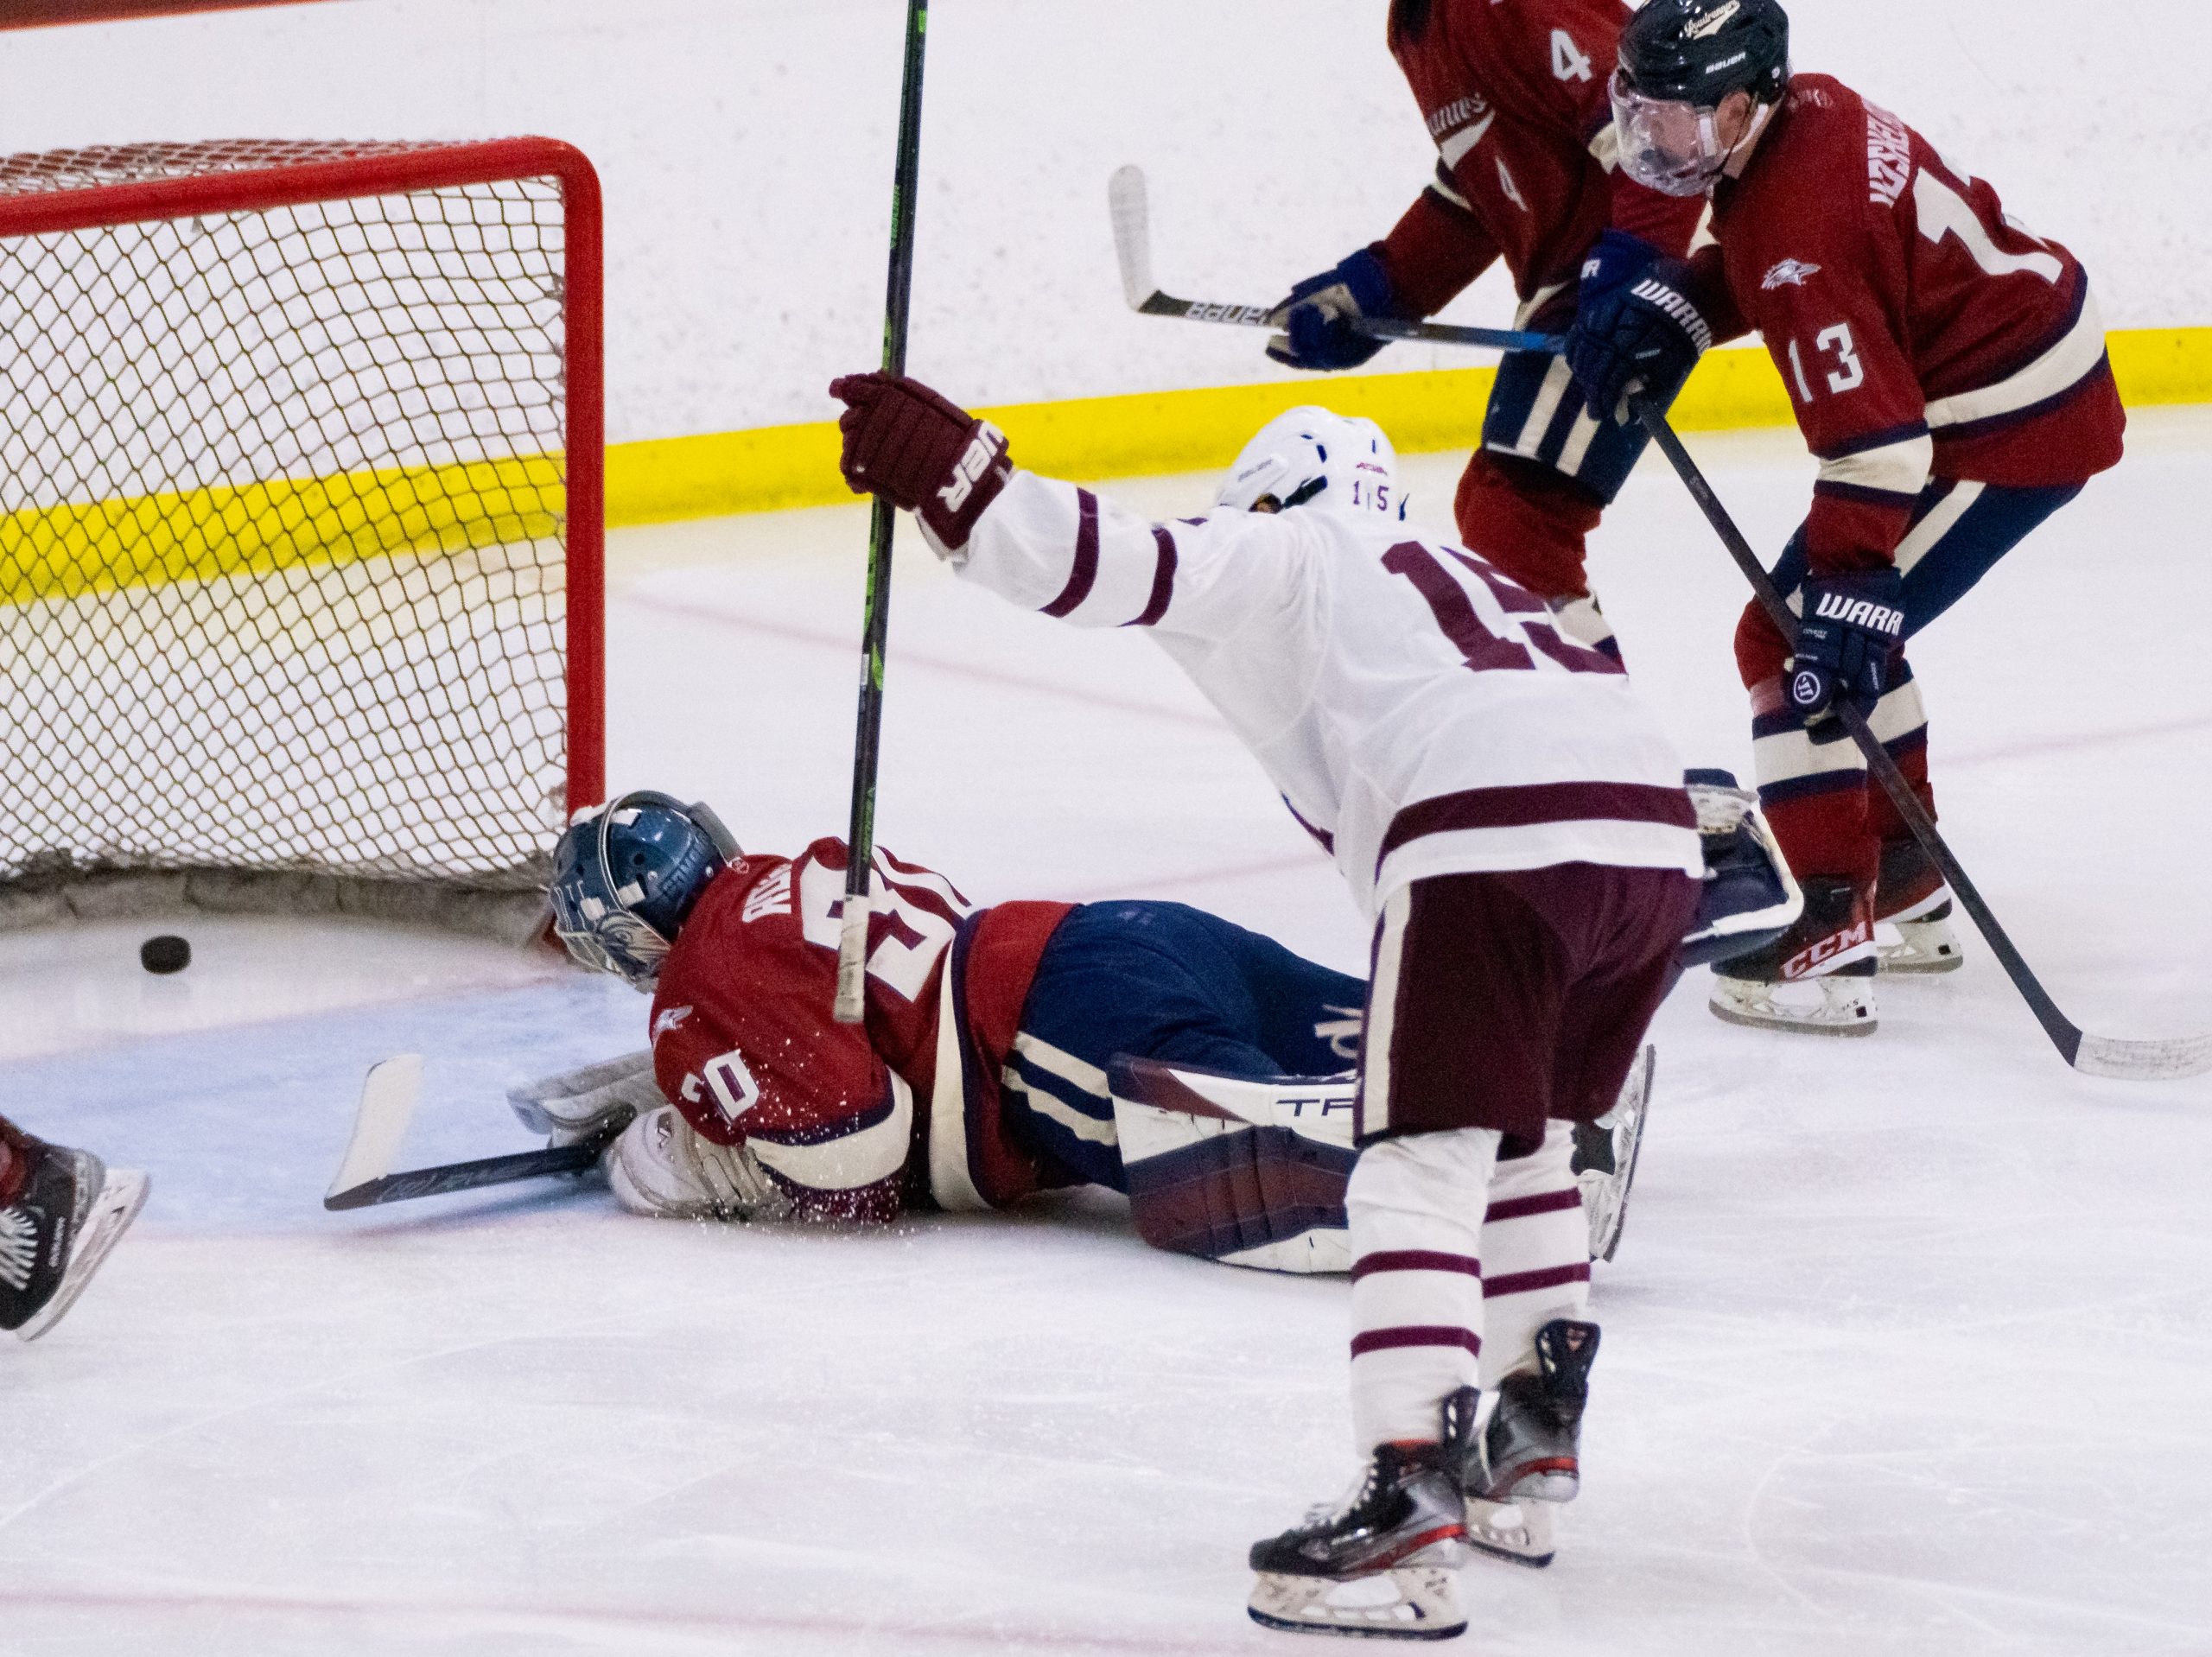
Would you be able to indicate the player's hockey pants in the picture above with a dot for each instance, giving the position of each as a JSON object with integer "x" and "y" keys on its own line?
{"x": 1548, "y": 468}
{"x": 1830, "y": 817}
{"x": 1169, "y": 982}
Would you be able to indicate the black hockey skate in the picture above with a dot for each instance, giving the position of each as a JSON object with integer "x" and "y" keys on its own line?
{"x": 1817, "y": 979}
{"x": 1912, "y": 913}
{"x": 68, "y": 1213}
{"x": 1382, "y": 1563}
{"x": 1531, "y": 1458}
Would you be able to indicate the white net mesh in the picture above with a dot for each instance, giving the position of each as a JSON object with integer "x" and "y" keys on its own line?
{"x": 282, "y": 529}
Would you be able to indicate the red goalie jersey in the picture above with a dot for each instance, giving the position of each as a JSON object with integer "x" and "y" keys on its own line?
{"x": 1920, "y": 332}
{"x": 1514, "y": 95}
{"x": 852, "y": 1122}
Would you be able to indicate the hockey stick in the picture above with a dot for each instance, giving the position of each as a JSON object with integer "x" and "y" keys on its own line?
{"x": 875, "y": 626}
{"x": 2122, "y": 1059}
{"x": 388, "y": 1098}
{"x": 1129, "y": 198}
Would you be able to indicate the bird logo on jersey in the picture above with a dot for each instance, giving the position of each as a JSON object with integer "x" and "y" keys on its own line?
{"x": 668, "y": 1019}
{"x": 1790, "y": 273}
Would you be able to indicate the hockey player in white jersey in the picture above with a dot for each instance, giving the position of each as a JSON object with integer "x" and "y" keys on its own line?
{"x": 1507, "y": 813}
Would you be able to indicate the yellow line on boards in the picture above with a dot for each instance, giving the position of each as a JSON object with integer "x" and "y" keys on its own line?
{"x": 777, "y": 468}
{"x": 200, "y": 535}
{"x": 66, "y": 551}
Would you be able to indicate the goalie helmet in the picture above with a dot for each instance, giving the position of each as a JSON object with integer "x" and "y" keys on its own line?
{"x": 1310, "y": 457}
{"x": 627, "y": 875}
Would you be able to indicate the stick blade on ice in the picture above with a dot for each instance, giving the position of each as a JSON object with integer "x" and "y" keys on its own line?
{"x": 2144, "y": 1061}
{"x": 388, "y": 1097}
{"x": 1130, "y": 200}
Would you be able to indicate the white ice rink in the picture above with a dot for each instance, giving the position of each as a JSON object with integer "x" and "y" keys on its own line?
{"x": 1907, "y": 1348}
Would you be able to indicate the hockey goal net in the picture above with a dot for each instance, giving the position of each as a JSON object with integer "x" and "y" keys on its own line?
{"x": 300, "y": 526}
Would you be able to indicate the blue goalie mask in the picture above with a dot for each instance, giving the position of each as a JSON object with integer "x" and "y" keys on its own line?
{"x": 627, "y": 875}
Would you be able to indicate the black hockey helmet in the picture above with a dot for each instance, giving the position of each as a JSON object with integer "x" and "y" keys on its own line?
{"x": 1679, "y": 60}
{"x": 1697, "y": 52}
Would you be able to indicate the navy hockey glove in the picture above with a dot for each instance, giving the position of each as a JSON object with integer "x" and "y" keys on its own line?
{"x": 1647, "y": 334}
{"x": 1316, "y": 319}
{"x": 1851, "y": 625}
{"x": 1615, "y": 260}
{"x": 928, "y": 454}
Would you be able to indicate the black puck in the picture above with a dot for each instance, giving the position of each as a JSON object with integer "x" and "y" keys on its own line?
{"x": 166, "y": 954}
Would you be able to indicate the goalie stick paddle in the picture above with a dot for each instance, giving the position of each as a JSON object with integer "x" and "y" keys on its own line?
{"x": 388, "y": 1098}
{"x": 875, "y": 625}
{"x": 1129, "y": 198}
{"x": 2120, "y": 1058}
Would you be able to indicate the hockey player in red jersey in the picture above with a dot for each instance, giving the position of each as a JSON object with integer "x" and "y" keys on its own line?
{"x": 61, "y": 1212}
{"x": 1948, "y": 370}
{"x": 1508, "y": 815}
{"x": 1513, "y": 98}
{"x": 980, "y": 1074}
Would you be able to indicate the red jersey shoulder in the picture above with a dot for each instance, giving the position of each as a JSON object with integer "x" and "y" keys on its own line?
{"x": 1538, "y": 60}
{"x": 741, "y": 1033}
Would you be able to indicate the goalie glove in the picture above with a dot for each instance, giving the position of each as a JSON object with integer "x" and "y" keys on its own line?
{"x": 664, "y": 1169}
{"x": 929, "y": 455}
{"x": 595, "y": 1102}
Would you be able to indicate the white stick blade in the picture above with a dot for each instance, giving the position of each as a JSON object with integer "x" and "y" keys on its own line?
{"x": 1130, "y": 200}
{"x": 2145, "y": 1061}
{"x": 388, "y": 1097}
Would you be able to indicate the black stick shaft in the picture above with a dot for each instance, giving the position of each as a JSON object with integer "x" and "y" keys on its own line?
{"x": 876, "y": 630}
{"x": 2064, "y": 1033}
{"x": 466, "y": 1176}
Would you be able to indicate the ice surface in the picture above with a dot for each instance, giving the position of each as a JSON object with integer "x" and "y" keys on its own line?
{"x": 1908, "y": 1347}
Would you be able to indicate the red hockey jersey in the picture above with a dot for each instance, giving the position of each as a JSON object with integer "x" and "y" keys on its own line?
{"x": 853, "y": 1122}
{"x": 1920, "y": 330}
{"x": 1514, "y": 93}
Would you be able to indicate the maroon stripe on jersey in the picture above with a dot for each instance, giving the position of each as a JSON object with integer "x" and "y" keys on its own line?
{"x": 1085, "y": 573}
{"x": 1859, "y": 494}
{"x": 1532, "y": 803}
{"x": 1326, "y": 840}
{"x": 1388, "y": 1340}
{"x": 1520, "y": 1208}
{"x": 1873, "y": 440}
{"x": 1528, "y": 1282}
{"x": 1163, "y": 581}
{"x": 1576, "y": 658}
{"x": 1414, "y": 1259}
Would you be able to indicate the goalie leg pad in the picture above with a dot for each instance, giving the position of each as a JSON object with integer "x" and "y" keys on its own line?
{"x": 1247, "y": 1172}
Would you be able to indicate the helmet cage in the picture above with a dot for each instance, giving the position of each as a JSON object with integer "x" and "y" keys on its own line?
{"x": 604, "y": 930}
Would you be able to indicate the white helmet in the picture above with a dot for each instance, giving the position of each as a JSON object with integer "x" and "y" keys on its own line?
{"x": 1310, "y": 457}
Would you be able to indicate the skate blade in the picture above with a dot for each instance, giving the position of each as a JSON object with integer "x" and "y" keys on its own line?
{"x": 1417, "y": 1602}
{"x": 1921, "y": 947}
{"x": 1813, "y": 1006}
{"x": 1519, "y": 1533}
{"x": 122, "y": 1194}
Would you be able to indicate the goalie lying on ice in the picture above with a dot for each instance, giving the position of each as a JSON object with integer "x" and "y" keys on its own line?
{"x": 1150, "y": 1048}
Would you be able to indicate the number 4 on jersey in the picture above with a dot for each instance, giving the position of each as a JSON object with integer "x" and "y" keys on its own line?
{"x": 1569, "y": 62}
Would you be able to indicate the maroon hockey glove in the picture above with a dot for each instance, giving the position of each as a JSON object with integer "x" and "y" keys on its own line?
{"x": 931, "y": 457}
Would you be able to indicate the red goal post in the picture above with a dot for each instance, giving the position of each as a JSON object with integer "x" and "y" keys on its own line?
{"x": 301, "y": 526}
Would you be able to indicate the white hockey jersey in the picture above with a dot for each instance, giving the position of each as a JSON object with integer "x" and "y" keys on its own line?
{"x": 1419, "y": 712}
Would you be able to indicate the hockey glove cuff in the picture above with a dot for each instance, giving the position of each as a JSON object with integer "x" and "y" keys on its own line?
{"x": 1319, "y": 317}
{"x": 1853, "y": 623}
{"x": 1645, "y": 334}
{"x": 929, "y": 455}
